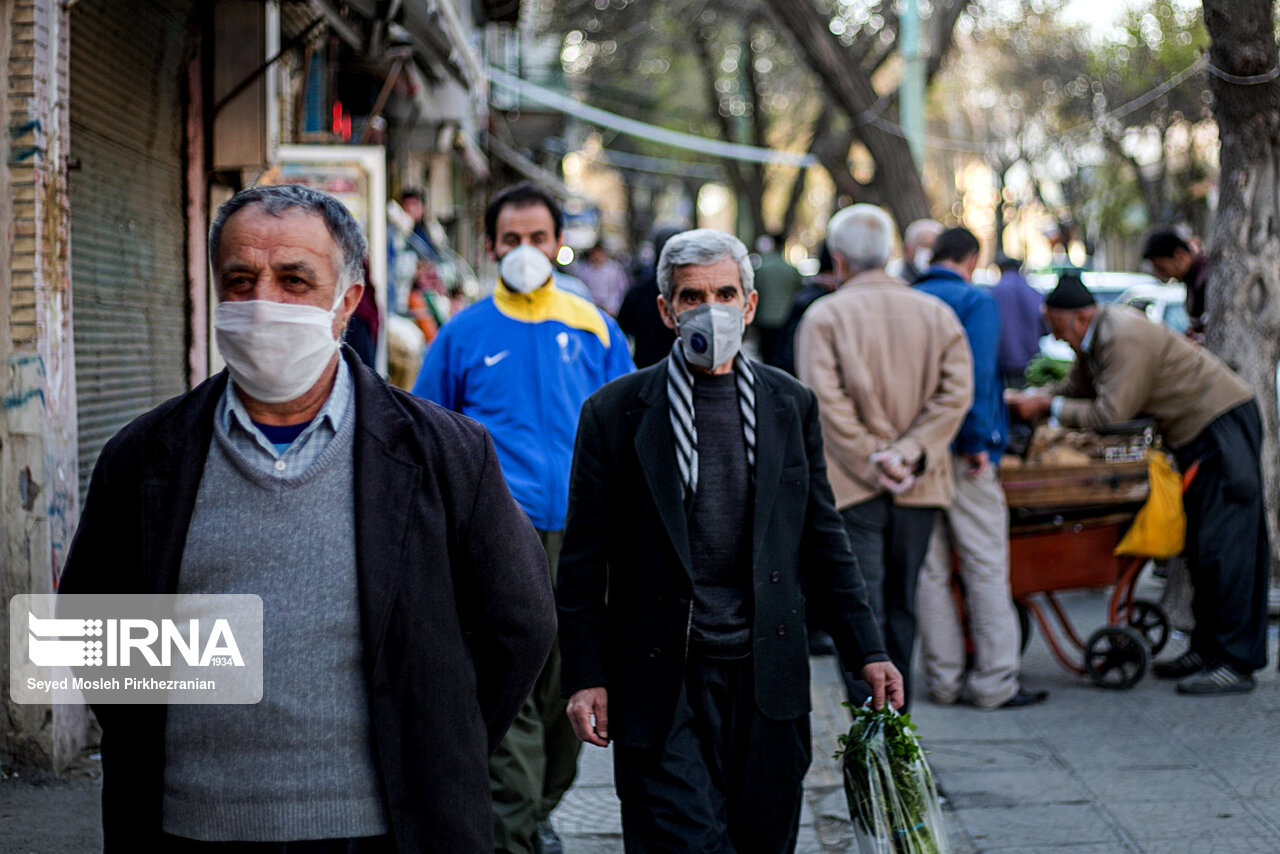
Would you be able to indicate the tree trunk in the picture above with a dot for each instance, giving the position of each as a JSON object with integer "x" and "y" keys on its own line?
{"x": 821, "y": 127}
{"x": 755, "y": 171}
{"x": 1243, "y": 299}
{"x": 692, "y": 188}
{"x": 639, "y": 217}
{"x": 1149, "y": 189}
{"x": 832, "y": 151}
{"x": 998, "y": 169}
{"x": 850, "y": 87}
{"x": 746, "y": 192}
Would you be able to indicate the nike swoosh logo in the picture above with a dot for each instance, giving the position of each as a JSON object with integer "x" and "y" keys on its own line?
{"x": 490, "y": 361}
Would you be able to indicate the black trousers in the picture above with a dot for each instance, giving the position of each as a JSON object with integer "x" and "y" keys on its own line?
{"x": 361, "y": 845}
{"x": 1227, "y": 549}
{"x": 726, "y": 781}
{"x": 890, "y": 543}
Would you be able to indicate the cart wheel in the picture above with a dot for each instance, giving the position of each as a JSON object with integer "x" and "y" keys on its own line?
{"x": 1149, "y": 620}
{"x": 1025, "y": 627}
{"x": 1116, "y": 657}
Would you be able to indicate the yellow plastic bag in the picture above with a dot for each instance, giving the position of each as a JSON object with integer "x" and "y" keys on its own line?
{"x": 1160, "y": 528}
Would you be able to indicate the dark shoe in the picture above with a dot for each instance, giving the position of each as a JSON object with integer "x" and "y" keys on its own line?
{"x": 1024, "y": 698}
{"x": 548, "y": 841}
{"x": 1184, "y": 665}
{"x": 1219, "y": 679}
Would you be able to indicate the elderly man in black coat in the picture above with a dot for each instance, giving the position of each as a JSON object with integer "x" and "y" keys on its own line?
{"x": 406, "y": 603}
{"x": 698, "y": 499}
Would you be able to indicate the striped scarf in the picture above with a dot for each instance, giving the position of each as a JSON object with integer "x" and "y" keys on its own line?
{"x": 680, "y": 398}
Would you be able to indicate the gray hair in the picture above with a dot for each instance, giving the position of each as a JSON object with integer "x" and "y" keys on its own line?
{"x": 276, "y": 199}
{"x": 919, "y": 228}
{"x": 702, "y": 247}
{"x": 862, "y": 235}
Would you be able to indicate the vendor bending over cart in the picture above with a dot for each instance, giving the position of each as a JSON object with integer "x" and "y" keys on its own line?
{"x": 1128, "y": 367}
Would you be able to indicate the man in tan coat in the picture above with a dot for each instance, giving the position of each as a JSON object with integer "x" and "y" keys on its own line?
{"x": 1128, "y": 367}
{"x": 894, "y": 379}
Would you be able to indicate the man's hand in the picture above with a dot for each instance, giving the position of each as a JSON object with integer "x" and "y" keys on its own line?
{"x": 1029, "y": 406}
{"x": 977, "y": 463}
{"x": 893, "y": 472}
{"x": 585, "y": 705}
{"x": 885, "y": 681}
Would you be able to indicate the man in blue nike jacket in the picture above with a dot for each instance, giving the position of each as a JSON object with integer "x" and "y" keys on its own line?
{"x": 521, "y": 362}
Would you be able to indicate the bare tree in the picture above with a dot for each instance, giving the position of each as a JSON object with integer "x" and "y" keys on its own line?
{"x": 1244, "y": 245}
{"x": 846, "y": 74}
{"x": 748, "y": 179}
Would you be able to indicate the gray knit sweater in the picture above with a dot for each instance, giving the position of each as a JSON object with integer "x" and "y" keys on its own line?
{"x": 299, "y": 764}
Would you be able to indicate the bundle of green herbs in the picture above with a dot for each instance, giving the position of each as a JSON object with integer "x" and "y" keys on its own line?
{"x": 1045, "y": 370}
{"x": 893, "y": 801}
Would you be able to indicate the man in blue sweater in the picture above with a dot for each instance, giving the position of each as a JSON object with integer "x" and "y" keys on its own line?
{"x": 521, "y": 362}
{"x": 976, "y": 525}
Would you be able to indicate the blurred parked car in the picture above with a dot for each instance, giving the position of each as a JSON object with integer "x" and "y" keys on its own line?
{"x": 1105, "y": 286}
{"x": 1162, "y": 303}
{"x": 1145, "y": 289}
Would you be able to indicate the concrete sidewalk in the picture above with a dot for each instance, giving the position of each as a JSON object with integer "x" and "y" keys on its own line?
{"x": 1090, "y": 771}
{"x": 1093, "y": 771}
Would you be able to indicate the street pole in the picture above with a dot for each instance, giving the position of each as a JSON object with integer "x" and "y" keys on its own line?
{"x": 911, "y": 95}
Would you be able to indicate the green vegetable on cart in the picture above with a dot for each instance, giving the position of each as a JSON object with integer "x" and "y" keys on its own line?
{"x": 1045, "y": 370}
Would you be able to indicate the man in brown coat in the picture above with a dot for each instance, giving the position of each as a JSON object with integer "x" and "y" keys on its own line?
{"x": 894, "y": 379}
{"x": 1128, "y": 367}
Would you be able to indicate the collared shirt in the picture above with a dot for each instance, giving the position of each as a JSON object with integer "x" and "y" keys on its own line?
{"x": 255, "y": 447}
{"x": 1086, "y": 345}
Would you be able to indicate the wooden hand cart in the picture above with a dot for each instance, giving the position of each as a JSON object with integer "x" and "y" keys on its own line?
{"x": 1065, "y": 523}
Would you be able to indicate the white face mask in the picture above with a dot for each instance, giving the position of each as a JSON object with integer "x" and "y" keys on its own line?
{"x": 923, "y": 259}
{"x": 711, "y": 335}
{"x": 524, "y": 269}
{"x": 275, "y": 351}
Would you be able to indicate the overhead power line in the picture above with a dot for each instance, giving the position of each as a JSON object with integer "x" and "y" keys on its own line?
{"x": 750, "y": 153}
{"x": 662, "y": 166}
{"x": 643, "y": 130}
{"x": 1251, "y": 80}
{"x": 985, "y": 146}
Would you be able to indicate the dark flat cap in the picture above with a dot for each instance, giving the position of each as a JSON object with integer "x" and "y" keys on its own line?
{"x": 1069, "y": 294}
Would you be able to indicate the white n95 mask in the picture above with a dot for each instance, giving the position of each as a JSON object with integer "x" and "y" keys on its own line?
{"x": 524, "y": 269}
{"x": 275, "y": 351}
{"x": 711, "y": 335}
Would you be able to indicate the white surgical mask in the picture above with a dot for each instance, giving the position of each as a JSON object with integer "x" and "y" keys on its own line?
{"x": 275, "y": 351}
{"x": 711, "y": 335}
{"x": 524, "y": 269}
{"x": 923, "y": 259}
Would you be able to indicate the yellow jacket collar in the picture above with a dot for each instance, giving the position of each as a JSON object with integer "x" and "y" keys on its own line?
{"x": 550, "y": 303}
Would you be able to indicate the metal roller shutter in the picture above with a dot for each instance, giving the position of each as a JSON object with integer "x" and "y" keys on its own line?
{"x": 128, "y": 235}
